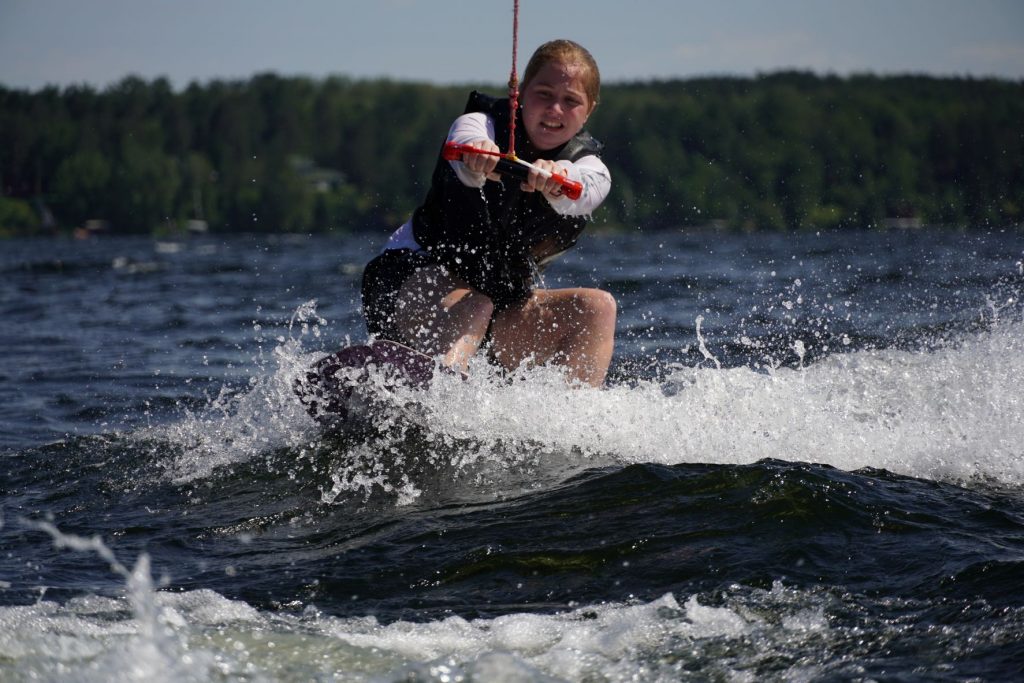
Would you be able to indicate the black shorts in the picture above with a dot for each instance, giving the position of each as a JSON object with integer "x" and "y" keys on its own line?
{"x": 382, "y": 279}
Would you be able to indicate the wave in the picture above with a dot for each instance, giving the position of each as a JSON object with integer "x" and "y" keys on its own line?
{"x": 951, "y": 413}
{"x": 776, "y": 633}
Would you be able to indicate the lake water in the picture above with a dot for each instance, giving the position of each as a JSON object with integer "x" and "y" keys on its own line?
{"x": 808, "y": 464}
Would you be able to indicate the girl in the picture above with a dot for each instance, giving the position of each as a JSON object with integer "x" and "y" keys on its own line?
{"x": 465, "y": 267}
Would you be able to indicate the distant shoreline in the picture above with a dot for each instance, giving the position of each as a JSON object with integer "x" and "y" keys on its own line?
{"x": 780, "y": 151}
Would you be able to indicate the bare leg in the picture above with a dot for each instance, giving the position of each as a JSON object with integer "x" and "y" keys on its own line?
{"x": 571, "y": 327}
{"x": 440, "y": 315}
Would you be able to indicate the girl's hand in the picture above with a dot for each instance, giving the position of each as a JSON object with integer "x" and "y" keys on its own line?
{"x": 482, "y": 163}
{"x": 538, "y": 183}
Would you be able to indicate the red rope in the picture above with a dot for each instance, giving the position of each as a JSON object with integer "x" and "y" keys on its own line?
{"x": 513, "y": 81}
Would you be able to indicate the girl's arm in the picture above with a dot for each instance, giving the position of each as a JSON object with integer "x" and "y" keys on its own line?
{"x": 596, "y": 180}
{"x": 471, "y": 129}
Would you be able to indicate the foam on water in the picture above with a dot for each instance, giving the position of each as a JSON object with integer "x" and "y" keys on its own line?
{"x": 92, "y": 638}
{"x": 952, "y": 413}
{"x": 160, "y": 636}
{"x": 948, "y": 414}
{"x": 784, "y": 633}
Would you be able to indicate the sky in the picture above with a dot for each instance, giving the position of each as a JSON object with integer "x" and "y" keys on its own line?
{"x": 99, "y": 42}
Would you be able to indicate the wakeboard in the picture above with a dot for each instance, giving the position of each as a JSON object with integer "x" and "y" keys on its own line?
{"x": 354, "y": 388}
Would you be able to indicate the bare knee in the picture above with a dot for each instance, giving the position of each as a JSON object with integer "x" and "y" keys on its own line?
{"x": 598, "y": 305}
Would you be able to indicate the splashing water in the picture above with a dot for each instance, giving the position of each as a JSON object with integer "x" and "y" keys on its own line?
{"x": 150, "y": 646}
{"x": 913, "y": 413}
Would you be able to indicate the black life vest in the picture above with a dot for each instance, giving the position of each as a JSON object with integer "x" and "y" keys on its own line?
{"x": 497, "y": 238}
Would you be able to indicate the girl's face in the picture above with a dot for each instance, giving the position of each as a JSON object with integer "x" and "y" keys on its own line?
{"x": 555, "y": 104}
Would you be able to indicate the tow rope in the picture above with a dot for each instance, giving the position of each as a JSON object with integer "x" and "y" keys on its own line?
{"x": 513, "y": 82}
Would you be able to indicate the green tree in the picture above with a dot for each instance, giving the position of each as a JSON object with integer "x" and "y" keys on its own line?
{"x": 81, "y": 187}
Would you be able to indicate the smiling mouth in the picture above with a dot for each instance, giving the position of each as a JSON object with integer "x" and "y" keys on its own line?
{"x": 551, "y": 126}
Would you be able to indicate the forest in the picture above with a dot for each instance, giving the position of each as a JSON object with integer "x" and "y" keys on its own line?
{"x": 781, "y": 151}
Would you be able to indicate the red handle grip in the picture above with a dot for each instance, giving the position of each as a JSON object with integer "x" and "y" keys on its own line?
{"x": 453, "y": 151}
{"x": 570, "y": 188}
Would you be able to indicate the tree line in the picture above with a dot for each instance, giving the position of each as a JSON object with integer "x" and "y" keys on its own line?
{"x": 781, "y": 151}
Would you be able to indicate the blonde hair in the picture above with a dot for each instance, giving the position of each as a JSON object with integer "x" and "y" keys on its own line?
{"x": 566, "y": 52}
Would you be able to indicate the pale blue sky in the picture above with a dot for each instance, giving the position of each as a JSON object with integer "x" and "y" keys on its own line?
{"x": 458, "y": 41}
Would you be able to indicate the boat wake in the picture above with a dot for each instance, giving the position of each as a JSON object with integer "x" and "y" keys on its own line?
{"x": 950, "y": 413}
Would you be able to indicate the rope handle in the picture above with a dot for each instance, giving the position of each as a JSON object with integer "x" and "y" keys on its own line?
{"x": 453, "y": 151}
